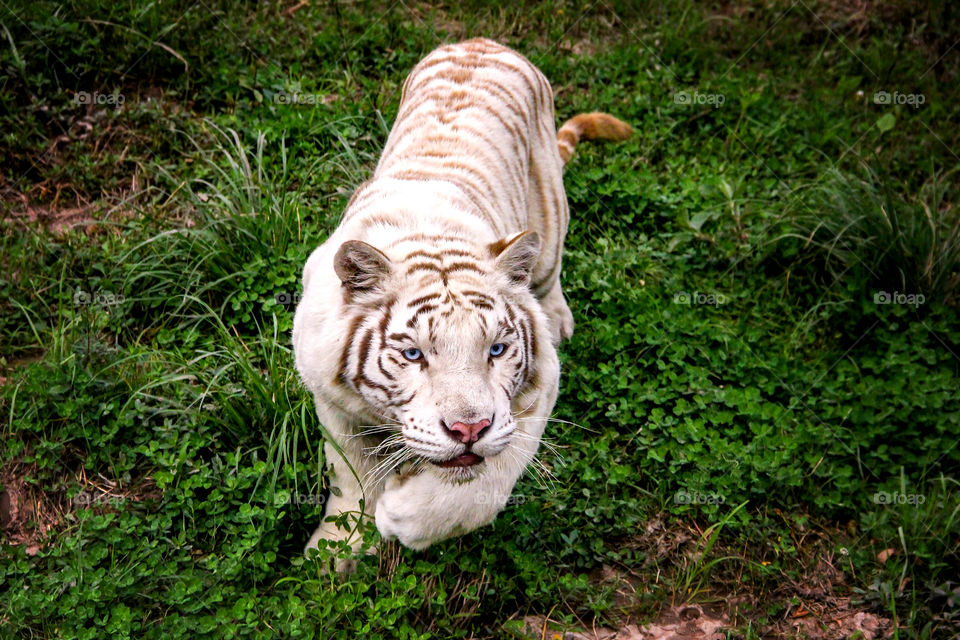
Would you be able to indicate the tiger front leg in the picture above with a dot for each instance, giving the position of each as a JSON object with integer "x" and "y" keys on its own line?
{"x": 344, "y": 509}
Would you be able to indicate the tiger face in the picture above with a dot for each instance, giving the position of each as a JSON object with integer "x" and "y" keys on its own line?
{"x": 442, "y": 342}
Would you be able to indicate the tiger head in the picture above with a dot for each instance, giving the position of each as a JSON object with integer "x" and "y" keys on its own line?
{"x": 442, "y": 342}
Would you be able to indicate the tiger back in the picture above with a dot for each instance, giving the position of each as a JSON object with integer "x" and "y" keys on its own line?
{"x": 429, "y": 320}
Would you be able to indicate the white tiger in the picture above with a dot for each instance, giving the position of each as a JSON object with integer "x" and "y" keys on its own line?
{"x": 429, "y": 320}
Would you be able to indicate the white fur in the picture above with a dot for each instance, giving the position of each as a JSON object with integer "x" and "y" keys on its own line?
{"x": 427, "y": 503}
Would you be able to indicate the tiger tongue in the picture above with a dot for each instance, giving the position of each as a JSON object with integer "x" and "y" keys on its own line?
{"x": 464, "y": 460}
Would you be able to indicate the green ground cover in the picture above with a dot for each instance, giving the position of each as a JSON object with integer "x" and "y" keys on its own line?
{"x": 763, "y": 388}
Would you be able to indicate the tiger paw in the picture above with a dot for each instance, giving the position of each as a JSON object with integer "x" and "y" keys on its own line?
{"x": 343, "y": 562}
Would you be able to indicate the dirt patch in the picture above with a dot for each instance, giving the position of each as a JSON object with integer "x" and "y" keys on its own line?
{"x": 660, "y": 541}
{"x": 807, "y": 597}
{"x": 92, "y": 165}
{"x": 687, "y": 622}
{"x": 930, "y": 27}
{"x": 818, "y": 604}
{"x": 57, "y": 220}
{"x": 29, "y": 513}
{"x": 92, "y": 218}
{"x": 696, "y": 622}
{"x": 435, "y": 14}
{"x": 836, "y": 622}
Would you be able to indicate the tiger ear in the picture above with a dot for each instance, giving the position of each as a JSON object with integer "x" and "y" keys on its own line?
{"x": 360, "y": 266}
{"x": 517, "y": 256}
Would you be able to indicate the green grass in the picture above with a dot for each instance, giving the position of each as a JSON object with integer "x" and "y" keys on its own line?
{"x": 734, "y": 398}
{"x": 911, "y": 247}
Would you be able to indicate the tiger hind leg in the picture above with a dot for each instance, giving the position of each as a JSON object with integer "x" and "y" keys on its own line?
{"x": 561, "y": 318}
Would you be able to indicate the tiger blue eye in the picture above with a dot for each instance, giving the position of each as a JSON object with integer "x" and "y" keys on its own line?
{"x": 498, "y": 349}
{"x": 412, "y": 354}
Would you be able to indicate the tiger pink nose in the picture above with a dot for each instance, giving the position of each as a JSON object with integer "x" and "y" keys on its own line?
{"x": 467, "y": 433}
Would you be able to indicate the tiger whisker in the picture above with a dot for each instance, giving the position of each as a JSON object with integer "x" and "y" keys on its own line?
{"x": 543, "y": 476}
{"x": 385, "y": 469}
{"x": 551, "y": 447}
{"x": 515, "y": 456}
{"x": 385, "y": 466}
{"x": 539, "y": 464}
{"x": 411, "y": 456}
{"x": 388, "y": 443}
{"x": 370, "y": 434}
{"x": 558, "y": 421}
{"x": 366, "y": 430}
{"x": 515, "y": 414}
{"x": 536, "y": 467}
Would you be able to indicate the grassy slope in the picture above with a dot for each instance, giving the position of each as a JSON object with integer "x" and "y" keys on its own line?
{"x": 164, "y": 426}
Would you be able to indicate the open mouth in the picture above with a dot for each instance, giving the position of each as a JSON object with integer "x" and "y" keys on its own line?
{"x": 465, "y": 460}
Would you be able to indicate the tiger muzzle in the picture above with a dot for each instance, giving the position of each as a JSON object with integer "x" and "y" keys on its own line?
{"x": 466, "y": 433}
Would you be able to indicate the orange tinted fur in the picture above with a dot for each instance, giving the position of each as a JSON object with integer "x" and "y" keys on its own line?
{"x": 590, "y": 126}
